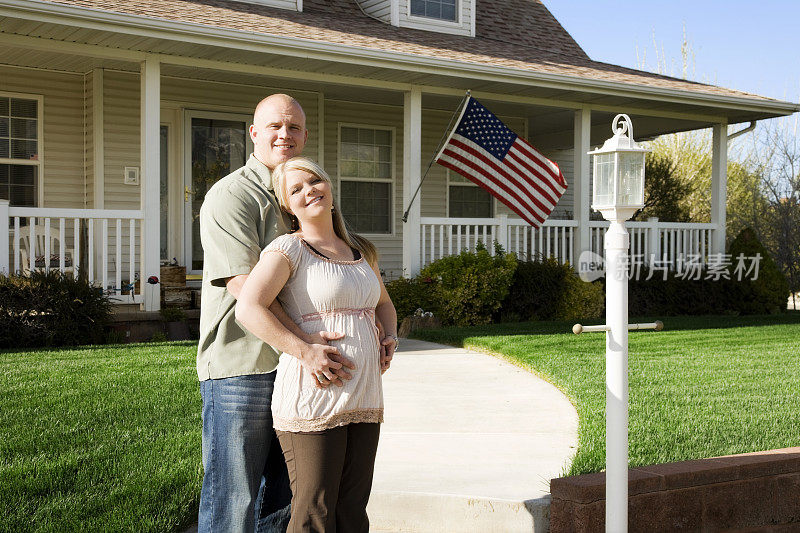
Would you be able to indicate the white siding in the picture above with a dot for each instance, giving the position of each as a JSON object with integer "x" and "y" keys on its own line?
{"x": 62, "y": 146}
{"x": 88, "y": 156}
{"x": 121, "y": 138}
{"x": 463, "y": 26}
{"x": 390, "y": 247}
{"x": 380, "y": 9}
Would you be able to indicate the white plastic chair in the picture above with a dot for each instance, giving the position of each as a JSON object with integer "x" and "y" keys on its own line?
{"x": 40, "y": 249}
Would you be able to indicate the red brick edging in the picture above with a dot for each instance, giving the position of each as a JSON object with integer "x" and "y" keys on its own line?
{"x": 736, "y": 492}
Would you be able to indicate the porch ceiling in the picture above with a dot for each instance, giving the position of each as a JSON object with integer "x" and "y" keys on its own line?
{"x": 548, "y": 103}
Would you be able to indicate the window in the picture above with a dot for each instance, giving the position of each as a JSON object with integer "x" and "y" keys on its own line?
{"x": 365, "y": 178}
{"x": 437, "y": 9}
{"x": 19, "y": 150}
{"x": 467, "y": 200}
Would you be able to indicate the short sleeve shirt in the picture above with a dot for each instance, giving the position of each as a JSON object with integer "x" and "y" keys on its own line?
{"x": 240, "y": 215}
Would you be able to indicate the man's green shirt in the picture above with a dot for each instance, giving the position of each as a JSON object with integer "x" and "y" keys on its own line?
{"x": 240, "y": 215}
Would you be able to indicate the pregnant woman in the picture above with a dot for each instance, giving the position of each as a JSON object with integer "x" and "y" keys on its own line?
{"x": 326, "y": 279}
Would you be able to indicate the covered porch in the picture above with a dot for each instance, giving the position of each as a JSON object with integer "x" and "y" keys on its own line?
{"x": 134, "y": 124}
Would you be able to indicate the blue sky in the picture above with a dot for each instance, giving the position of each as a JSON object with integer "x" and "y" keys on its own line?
{"x": 745, "y": 45}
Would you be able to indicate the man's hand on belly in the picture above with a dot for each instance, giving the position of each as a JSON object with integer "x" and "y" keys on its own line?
{"x": 341, "y": 374}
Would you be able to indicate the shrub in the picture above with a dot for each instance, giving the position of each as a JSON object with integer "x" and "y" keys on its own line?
{"x": 172, "y": 314}
{"x": 770, "y": 290}
{"x": 471, "y": 286}
{"x": 580, "y": 300}
{"x": 51, "y": 309}
{"x": 536, "y": 285}
{"x": 549, "y": 290}
{"x": 675, "y": 296}
{"x": 408, "y": 295}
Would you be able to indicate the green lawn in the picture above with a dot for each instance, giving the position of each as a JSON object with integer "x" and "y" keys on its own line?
{"x": 706, "y": 386}
{"x": 108, "y": 438}
{"x": 100, "y": 439}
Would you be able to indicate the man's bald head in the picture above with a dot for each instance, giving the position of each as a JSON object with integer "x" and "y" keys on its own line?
{"x": 279, "y": 100}
{"x": 279, "y": 129}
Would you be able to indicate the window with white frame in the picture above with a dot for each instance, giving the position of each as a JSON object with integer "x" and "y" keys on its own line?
{"x": 466, "y": 199}
{"x": 436, "y": 9}
{"x": 365, "y": 178}
{"x": 19, "y": 150}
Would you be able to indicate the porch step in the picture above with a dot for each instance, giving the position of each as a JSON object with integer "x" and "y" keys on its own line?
{"x": 142, "y": 326}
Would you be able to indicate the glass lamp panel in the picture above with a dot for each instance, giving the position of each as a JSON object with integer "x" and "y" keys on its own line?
{"x": 631, "y": 180}
{"x": 604, "y": 179}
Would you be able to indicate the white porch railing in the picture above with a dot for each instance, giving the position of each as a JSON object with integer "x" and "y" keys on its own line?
{"x": 663, "y": 241}
{"x": 102, "y": 244}
{"x": 666, "y": 242}
{"x": 448, "y": 236}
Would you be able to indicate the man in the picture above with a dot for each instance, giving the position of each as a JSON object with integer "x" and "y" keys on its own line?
{"x": 245, "y": 484}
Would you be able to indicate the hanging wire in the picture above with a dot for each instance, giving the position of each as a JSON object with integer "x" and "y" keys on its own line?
{"x": 435, "y": 153}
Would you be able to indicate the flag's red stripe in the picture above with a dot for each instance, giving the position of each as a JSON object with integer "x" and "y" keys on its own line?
{"x": 556, "y": 174}
{"x": 510, "y": 185}
{"x": 483, "y": 171}
{"x": 548, "y": 164}
{"x": 520, "y": 178}
{"x": 525, "y": 215}
{"x": 534, "y": 205}
{"x": 520, "y": 183}
{"x": 514, "y": 164}
{"x": 483, "y": 178}
{"x": 545, "y": 179}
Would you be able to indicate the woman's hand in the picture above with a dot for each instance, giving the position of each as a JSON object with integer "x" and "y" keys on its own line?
{"x": 388, "y": 346}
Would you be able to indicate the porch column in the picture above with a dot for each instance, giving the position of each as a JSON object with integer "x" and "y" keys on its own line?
{"x": 150, "y": 251}
{"x": 412, "y": 174}
{"x": 719, "y": 187}
{"x": 4, "y": 251}
{"x": 581, "y": 186}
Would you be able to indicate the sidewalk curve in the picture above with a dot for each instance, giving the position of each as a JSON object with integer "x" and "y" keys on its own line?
{"x": 469, "y": 443}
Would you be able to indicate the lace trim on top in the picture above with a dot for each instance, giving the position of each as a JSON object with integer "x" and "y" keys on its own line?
{"x": 362, "y": 312}
{"x": 284, "y": 254}
{"x": 356, "y": 416}
{"x": 356, "y": 252}
{"x": 322, "y": 257}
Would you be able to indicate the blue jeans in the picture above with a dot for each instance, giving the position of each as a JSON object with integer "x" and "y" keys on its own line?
{"x": 245, "y": 482}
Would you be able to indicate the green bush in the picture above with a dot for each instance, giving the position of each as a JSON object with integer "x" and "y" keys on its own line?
{"x": 580, "y": 300}
{"x": 706, "y": 295}
{"x": 536, "y": 285}
{"x": 770, "y": 290}
{"x": 549, "y": 290}
{"x": 51, "y": 309}
{"x": 408, "y": 295}
{"x": 675, "y": 296}
{"x": 471, "y": 286}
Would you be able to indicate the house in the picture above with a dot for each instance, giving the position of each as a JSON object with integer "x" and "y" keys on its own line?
{"x": 116, "y": 116}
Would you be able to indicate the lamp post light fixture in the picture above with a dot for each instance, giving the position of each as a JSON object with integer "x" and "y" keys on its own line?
{"x": 618, "y": 193}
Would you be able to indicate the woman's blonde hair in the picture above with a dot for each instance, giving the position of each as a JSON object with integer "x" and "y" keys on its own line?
{"x": 340, "y": 226}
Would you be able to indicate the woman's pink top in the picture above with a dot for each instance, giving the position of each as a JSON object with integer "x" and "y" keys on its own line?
{"x": 328, "y": 295}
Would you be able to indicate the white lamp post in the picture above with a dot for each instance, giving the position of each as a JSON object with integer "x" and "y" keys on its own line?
{"x": 618, "y": 194}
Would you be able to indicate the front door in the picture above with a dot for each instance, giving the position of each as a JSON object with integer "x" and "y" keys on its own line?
{"x": 216, "y": 144}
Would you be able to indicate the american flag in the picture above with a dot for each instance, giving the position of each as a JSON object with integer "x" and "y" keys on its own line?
{"x": 482, "y": 149}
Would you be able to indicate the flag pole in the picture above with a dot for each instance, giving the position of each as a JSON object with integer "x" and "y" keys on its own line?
{"x": 447, "y": 132}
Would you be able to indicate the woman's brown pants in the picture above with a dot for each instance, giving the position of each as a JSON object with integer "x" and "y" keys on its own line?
{"x": 331, "y": 477}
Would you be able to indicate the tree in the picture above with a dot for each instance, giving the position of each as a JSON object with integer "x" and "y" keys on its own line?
{"x": 776, "y": 156}
{"x": 664, "y": 192}
{"x": 691, "y": 154}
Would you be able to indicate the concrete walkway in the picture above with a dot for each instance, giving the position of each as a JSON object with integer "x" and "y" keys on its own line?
{"x": 469, "y": 444}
